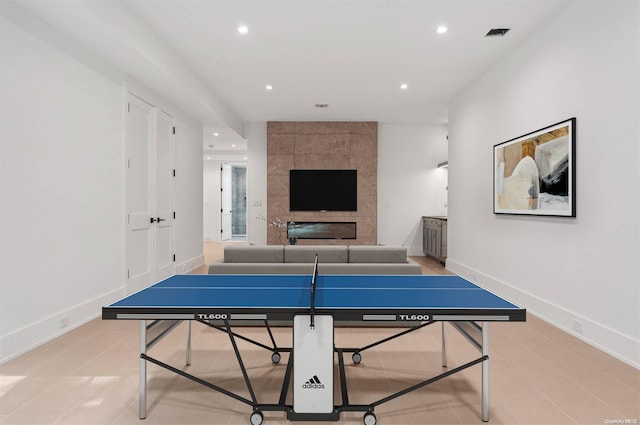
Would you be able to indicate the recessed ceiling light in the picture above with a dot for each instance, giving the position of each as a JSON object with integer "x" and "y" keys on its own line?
{"x": 245, "y": 157}
{"x": 404, "y": 86}
{"x": 442, "y": 29}
{"x": 233, "y": 146}
{"x": 208, "y": 157}
{"x": 216, "y": 134}
{"x": 268, "y": 87}
{"x": 243, "y": 29}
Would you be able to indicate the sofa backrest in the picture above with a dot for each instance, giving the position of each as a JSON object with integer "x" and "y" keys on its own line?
{"x": 253, "y": 254}
{"x": 377, "y": 254}
{"x": 307, "y": 253}
{"x": 363, "y": 254}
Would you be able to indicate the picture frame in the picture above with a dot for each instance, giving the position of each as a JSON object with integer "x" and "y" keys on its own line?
{"x": 535, "y": 174}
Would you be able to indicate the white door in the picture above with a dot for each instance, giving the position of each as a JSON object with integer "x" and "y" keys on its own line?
{"x": 139, "y": 236}
{"x": 163, "y": 246}
{"x": 225, "y": 202}
{"x": 149, "y": 194}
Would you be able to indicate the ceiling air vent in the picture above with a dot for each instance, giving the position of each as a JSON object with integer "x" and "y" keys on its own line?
{"x": 497, "y": 32}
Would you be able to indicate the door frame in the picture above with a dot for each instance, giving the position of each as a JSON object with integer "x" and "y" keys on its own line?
{"x": 152, "y": 277}
{"x": 229, "y": 192}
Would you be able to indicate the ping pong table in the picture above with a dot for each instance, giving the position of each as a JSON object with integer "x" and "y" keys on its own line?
{"x": 311, "y": 304}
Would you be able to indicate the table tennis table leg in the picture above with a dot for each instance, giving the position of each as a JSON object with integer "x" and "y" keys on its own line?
{"x": 444, "y": 344}
{"x": 485, "y": 372}
{"x": 143, "y": 371}
{"x": 188, "y": 361}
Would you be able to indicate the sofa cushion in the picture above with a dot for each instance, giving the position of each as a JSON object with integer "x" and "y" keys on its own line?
{"x": 377, "y": 254}
{"x": 371, "y": 268}
{"x": 261, "y": 268}
{"x": 254, "y": 254}
{"x": 307, "y": 253}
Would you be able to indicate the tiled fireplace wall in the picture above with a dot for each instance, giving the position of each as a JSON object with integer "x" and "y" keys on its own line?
{"x": 322, "y": 145}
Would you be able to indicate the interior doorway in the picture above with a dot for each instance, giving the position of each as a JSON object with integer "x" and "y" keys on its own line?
{"x": 233, "y": 202}
{"x": 150, "y": 213}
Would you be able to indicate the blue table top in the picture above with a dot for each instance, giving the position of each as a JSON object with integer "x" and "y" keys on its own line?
{"x": 334, "y": 293}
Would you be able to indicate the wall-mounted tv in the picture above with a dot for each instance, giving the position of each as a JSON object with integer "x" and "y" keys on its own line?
{"x": 323, "y": 190}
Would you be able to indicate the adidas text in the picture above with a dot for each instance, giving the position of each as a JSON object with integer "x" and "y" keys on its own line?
{"x": 313, "y": 384}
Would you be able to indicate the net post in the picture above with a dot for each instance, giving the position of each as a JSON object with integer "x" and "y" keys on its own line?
{"x": 313, "y": 293}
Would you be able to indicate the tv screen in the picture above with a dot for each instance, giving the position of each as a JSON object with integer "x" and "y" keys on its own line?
{"x": 323, "y": 190}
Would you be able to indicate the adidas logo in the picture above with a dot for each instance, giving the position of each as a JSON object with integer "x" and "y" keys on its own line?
{"x": 313, "y": 384}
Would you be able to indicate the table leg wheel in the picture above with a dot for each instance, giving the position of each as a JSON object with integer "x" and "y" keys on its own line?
{"x": 357, "y": 358}
{"x": 369, "y": 418}
{"x": 256, "y": 418}
{"x": 275, "y": 357}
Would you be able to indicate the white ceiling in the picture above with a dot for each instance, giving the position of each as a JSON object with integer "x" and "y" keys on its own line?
{"x": 352, "y": 55}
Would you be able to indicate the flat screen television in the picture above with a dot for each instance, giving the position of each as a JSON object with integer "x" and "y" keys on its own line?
{"x": 323, "y": 190}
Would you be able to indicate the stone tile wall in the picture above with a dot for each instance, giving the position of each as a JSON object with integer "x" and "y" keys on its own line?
{"x": 322, "y": 145}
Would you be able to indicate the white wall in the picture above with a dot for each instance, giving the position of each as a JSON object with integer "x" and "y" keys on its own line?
{"x": 211, "y": 197}
{"x": 406, "y": 153}
{"x": 410, "y": 184}
{"x": 62, "y": 191}
{"x": 188, "y": 196}
{"x": 256, "y": 135}
{"x": 62, "y": 171}
{"x": 581, "y": 272}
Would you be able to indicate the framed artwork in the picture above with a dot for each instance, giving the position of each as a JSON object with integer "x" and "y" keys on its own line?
{"x": 535, "y": 174}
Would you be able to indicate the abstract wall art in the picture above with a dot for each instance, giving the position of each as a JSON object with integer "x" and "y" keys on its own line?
{"x": 535, "y": 174}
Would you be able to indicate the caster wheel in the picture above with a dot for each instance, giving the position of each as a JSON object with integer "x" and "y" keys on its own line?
{"x": 369, "y": 418}
{"x": 357, "y": 358}
{"x": 257, "y": 418}
{"x": 275, "y": 357}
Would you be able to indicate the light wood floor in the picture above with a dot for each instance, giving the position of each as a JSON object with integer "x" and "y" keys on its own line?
{"x": 539, "y": 375}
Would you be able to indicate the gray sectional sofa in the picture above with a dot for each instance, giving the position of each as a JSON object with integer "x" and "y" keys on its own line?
{"x": 299, "y": 259}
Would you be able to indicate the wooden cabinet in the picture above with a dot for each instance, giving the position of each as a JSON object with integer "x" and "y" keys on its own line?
{"x": 431, "y": 237}
{"x": 434, "y": 237}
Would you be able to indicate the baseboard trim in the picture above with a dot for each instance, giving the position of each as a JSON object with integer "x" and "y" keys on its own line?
{"x": 29, "y": 337}
{"x": 190, "y": 265}
{"x": 618, "y": 345}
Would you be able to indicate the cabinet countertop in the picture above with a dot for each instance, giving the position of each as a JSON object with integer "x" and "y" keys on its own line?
{"x": 437, "y": 217}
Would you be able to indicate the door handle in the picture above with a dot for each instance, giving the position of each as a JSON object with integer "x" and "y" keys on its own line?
{"x": 160, "y": 219}
{"x": 152, "y": 220}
